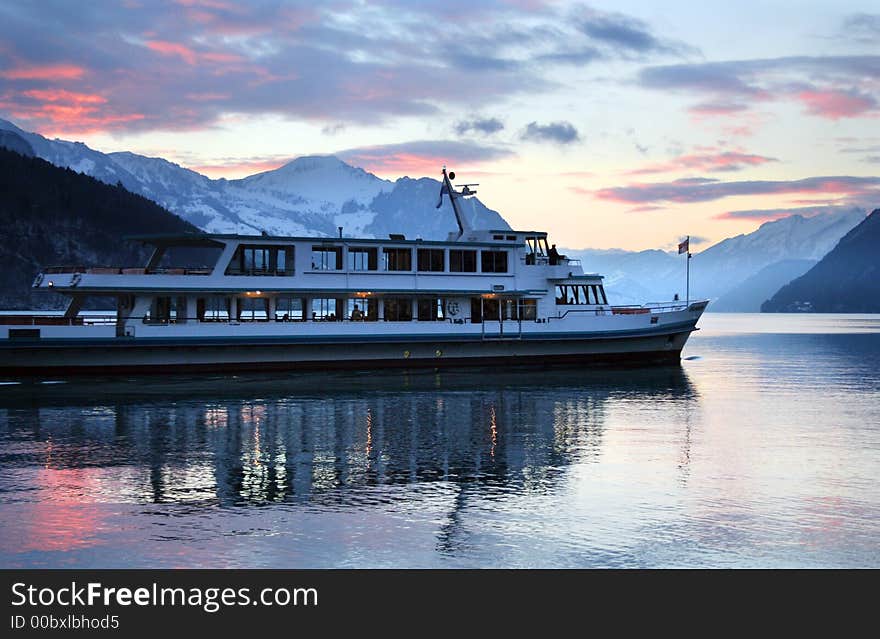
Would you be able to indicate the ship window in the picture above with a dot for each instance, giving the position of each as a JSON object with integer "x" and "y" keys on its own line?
{"x": 430, "y": 309}
{"x": 497, "y": 237}
{"x": 288, "y": 309}
{"x": 368, "y": 308}
{"x": 213, "y": 308}
{"x": 256, "y": 259}
{"x": 326, "y": 309}
{"x": 491, "y": 309}
{"x": 397, "y": 259}
{"x": 253, "y": 308}
{"x": 561, "y": 294}
{"x": 261, "y": 260}
{"x": 580, "y": 294}
{"x": 567, "y": 294}
{"x": 591, "y": 294}
{"x": 430, "y": 260}
{"x": 537, "y": 250}
{"x": 511, "y": 238}
{"x": 363, "y": 259}
{"x": 493, "y": 261}
{"x": 528, "y": 309}
{"x": 398, "y": 309}
{"x": 326, "y": 258}
{"x": 161, "y": 310}
{"x": 462, "y": 261}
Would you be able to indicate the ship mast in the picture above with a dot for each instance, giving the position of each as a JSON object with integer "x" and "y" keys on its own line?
{"x": 463, "y": 225}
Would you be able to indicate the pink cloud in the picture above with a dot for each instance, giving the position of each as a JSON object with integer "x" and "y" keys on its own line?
{"x": 713, "y": 162}
{"x": 44, "y": 72}
{"x": 709, "y": 109}
{"x": 191, "y": 56}
{"x": 399, "y": 163}
{"x": 210, "y": 4}
{"x": 61, "y": 95}
{"x": 834, "y": 104}
{"x": 693, "y": 190}
{"x": 220, "y": 57}
{"x": 173, "y": 48}
{"x": 423, "y": 157}
{"x": 233, "y": 169}
{"x": 60, "y": 111}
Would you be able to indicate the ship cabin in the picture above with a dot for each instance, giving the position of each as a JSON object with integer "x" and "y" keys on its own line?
{"x": 484, "y": 275}
{"x": 476, "y": 276}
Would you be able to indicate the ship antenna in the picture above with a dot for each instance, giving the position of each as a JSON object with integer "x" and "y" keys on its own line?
{"x": 454, "y": 195}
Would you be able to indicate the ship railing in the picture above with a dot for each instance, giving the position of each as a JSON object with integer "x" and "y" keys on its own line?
{"x": 125, "y": 270}
{"x": 111, "y": 319}
{"x": 201, "y": 270}
{"x": 625, "y": 309}
{"x": 263, "y": 319}
{"x": 259, "y": 272}
{"x": 53, "y": 270}
{"x": 657, "y": 307}
{"x": 487, "y": 331}
{"x": 57, "y": 320}
{"x": 531, "y": 259}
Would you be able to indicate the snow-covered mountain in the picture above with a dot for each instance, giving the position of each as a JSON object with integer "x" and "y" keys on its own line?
{"x": 636, "y": 277}
{"x": 72, "y": 155}
{"x": 308, "y": 196}
{"x": 315, "y": 195}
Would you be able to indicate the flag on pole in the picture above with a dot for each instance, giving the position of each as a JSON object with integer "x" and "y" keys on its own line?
{"x": 443, "y": 190}
{"x": 684, "y": 247}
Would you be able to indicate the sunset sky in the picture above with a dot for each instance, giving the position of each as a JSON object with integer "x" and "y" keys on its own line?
{"x": 610, "y": 124}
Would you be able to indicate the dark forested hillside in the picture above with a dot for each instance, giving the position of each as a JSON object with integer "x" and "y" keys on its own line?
{"x": 53, "y": 216}
{"x": 847, "y": 280}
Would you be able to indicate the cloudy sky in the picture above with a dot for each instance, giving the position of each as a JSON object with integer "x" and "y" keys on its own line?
{"x": 610, "y": 124}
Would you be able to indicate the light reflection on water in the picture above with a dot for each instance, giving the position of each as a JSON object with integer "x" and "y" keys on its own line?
{"x": 760, "y": 450}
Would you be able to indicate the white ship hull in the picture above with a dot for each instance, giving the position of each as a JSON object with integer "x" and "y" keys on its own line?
{"x": 601, "y": 340}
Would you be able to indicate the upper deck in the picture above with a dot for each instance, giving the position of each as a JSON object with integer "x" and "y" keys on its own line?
{"x": 481, "y": 261}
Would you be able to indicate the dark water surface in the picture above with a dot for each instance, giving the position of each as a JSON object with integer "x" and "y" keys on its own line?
{"x": 761, "y": 449}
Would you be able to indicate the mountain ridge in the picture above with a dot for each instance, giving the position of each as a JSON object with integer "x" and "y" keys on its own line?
{"x": 846, "y": 280}
{"x": 52, "y": 215}
{"x": 309, "y": 195}
{"x": 724, "y": 266}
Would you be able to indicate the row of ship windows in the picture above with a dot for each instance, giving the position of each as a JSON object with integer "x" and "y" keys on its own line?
{"x": 271, "y": 260}
{"x": 580, "y": 294}
{"x": 394, "y": 309}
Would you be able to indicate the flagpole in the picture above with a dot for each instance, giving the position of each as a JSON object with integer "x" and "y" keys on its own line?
{"x": 688, "y": 285}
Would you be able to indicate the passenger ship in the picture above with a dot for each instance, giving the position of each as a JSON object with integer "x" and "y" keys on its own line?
{"x": 482, "y": 297}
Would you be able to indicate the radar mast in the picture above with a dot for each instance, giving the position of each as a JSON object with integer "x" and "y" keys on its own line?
{"x": 463, "y": 224}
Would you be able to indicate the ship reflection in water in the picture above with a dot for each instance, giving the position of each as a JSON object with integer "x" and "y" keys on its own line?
{"x": 348, "y": 444}
{"x": 731, "y": 459}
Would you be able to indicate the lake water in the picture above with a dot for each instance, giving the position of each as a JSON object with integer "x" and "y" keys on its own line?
{"x": 761, "y": 450}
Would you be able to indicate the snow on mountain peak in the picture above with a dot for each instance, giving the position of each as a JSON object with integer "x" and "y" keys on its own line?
{"x": 324, "y": 178}
{"x": 311, "y": 195}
